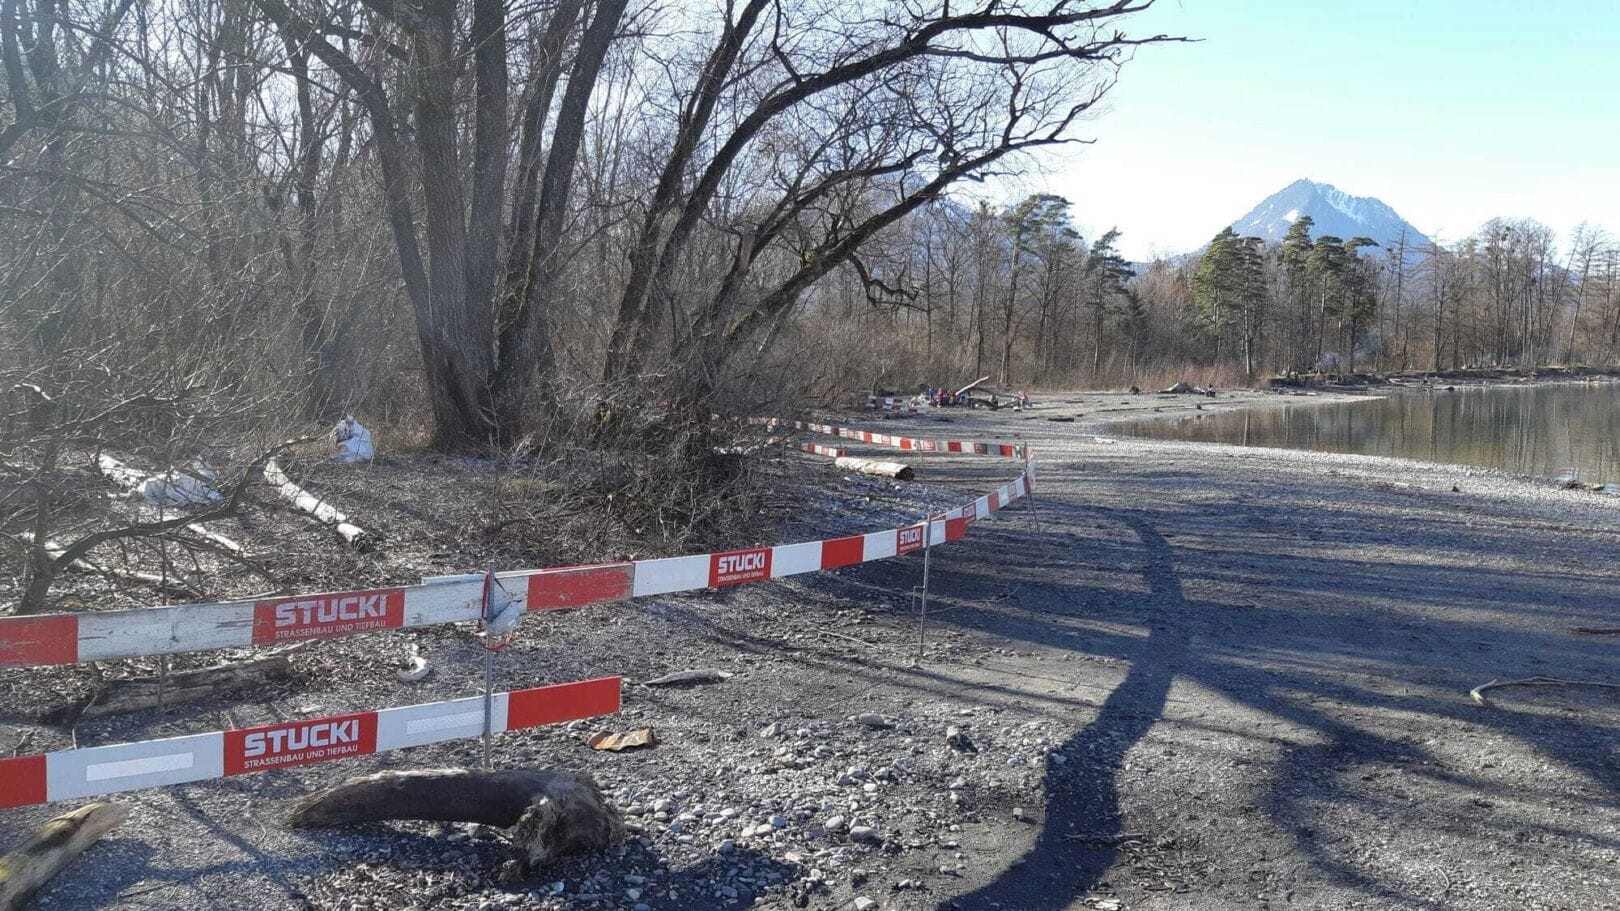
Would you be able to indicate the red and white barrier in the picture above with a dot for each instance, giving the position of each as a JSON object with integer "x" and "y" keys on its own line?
{"x": 93, "y": 771}
{"x": 971, "y": 447}
{"x": 106, "y": 635}
{"x": 831, "y": 452}
{"x": 50, "y": 639}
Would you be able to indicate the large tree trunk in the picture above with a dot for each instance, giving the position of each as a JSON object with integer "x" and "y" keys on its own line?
{"x": 525, "y": 338}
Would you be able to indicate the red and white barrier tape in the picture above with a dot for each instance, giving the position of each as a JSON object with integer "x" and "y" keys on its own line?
{"x": 49, "y": 639}
{"x": 975, "y": 447}
{"x": 92, "y": 771}
{"x": 831, "y": 452}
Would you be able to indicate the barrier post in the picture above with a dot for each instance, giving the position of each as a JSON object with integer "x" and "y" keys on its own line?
{"x": 920, "y": 594}
{"x": 489, "y": 666}
{"x": 1029, "y": 492}
{"x": 489, "y": 704}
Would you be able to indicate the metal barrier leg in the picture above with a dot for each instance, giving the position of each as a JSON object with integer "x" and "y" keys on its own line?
{"x": 489, "y": 706}
{"x": 1029, "y": 493}
{"x": 921, "y": 596}
{"x": 489, "y": 670}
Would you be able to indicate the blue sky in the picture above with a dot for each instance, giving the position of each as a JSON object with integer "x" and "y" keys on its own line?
{"x": 1450, "y": 111}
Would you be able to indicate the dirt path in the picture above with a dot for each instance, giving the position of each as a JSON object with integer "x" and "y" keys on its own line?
{"x": 1209, "y": 679}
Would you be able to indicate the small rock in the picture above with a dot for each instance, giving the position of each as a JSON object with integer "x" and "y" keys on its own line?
{"x": 865, "y": 834}
{"x": 862, "y": 903}
{"x": 874, "y": 720}
{"x": 958, "y": 740}
{"x": 835, "y": 824}
{"x": 1018, "y": 813}
{"x": 771, "y": 730}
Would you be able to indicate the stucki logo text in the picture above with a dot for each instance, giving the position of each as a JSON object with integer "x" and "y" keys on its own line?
{"x": 740, "y": 566}
{"x": 273, "y": 746}
{"x": 911, "y": 538}
{"x": 327, "y": 615}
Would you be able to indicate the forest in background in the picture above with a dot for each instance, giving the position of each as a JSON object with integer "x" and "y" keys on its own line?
{"x": 500, "y": 221}
{"x": 1016, "y": 292}
{"x": 510, "y": 223}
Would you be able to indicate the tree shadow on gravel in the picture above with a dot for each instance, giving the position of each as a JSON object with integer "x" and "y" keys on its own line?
{"x": 1083, "y": 826}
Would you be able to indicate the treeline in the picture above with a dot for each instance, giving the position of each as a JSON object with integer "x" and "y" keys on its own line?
{"x": 478, "y": 215}
{"x": 1017, "y": 293}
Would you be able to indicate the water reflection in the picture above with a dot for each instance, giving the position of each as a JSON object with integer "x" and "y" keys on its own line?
{"x": 1552, "y": 430}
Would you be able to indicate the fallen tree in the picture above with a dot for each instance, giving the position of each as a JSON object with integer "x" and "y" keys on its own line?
{"x": 131, "y": 480}
{"x": 136, "y": 693}
{"x": 897, "y": 470}
{"x": 56, "y": 845}
{"x": 170, "y": 586}
{"x": 551, "y": 813}
{"x": 313, "y": 506}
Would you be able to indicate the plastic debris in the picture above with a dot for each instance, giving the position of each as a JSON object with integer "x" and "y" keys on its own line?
{"x": 625, "y": 740}
{"x": 351, "y": 441}
{"x": 180, "y": 487}
{"x": 416, "y": 666}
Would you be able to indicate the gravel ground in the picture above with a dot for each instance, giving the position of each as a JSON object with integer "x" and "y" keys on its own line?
{"x": 1195, "y": 677}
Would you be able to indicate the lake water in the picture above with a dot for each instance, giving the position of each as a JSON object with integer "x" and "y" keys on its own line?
{"x": 1553, "y": 430}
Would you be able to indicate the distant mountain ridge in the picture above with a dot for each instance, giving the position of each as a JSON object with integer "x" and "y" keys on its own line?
{"x": 1332, "y": 210}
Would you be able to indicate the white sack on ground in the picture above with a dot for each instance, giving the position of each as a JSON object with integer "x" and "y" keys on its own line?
{"x": 180, "y": 487}
{"x": 351, "y": 441}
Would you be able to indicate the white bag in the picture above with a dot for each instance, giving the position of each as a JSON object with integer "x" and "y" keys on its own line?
{"x": 180, "y": 488}
{"x": 351, "y": 441}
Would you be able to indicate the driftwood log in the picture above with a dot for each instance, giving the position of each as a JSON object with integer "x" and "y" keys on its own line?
{"x": 56, "y": 845}
{"x": 136, "y": 693}
{"x": 896, "y": 470}
{"x": 311, "y": 505}
{"x": 1478, "y": 693}
{"x": 551, "y": 813}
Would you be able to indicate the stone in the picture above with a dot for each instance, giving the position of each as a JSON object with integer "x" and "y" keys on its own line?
{"x": 865, "y": 834}
{"x": 957, "y": 739}
{"x": 863, "y": 903}
{"x": 874, "y": 720}
{"x": 835, "y": 824}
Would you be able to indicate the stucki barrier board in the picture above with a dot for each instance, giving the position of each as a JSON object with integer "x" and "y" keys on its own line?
{"x": 93, "y": 771}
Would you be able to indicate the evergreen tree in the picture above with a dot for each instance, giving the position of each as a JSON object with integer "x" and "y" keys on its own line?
{"x": 1031, "y": 227}
{"x": 1106, "y": 275}
{"x": 1296, "y": 259}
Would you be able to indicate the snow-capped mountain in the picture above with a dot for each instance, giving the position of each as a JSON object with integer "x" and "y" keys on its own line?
{"x": 1333, "y": 211}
